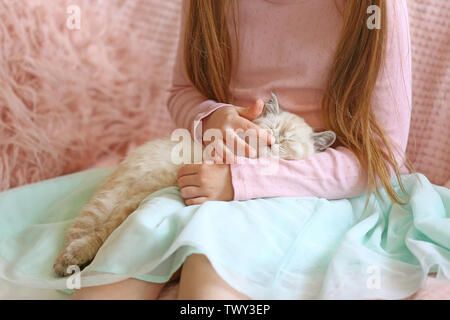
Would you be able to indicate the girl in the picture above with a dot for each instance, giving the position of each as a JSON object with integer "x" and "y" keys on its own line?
{"x": 326, "y": 63}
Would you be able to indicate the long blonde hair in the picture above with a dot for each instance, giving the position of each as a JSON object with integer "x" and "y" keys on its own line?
{"x": 346, "y": 103}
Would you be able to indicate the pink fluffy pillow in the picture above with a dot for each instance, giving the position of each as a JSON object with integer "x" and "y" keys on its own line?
{"x": 69, "y": 98}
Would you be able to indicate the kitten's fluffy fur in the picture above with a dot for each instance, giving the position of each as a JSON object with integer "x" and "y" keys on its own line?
{"x": 149, "y": 168}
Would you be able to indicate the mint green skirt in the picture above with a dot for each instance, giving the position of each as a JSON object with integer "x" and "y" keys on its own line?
{"x": 272, "y": 248}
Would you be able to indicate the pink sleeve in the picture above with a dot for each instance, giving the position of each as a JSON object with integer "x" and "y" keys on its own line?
{"x": 186, "y": 104}
{"x": 336, "y": 173}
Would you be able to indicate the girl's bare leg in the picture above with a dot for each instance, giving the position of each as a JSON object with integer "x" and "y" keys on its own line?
{"x": 199, "y": 281}
{"x": 130, "y": 289}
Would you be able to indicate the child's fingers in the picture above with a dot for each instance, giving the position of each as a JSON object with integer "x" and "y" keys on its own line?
{"x": 242, "y": 147}
{"x": 224, "y": 154}
{"x": 195, "y": 201}
{"x": 188, "y": 170}
{"x": 266, "y": 137}
{"x": 252, "y": 129}
{"x": 189, "y": 180}
{"x": 233, "y": 144}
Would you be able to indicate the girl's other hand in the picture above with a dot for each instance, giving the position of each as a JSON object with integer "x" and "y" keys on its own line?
{"x": 205, "y": 182}
{"x": 233, "y": 118}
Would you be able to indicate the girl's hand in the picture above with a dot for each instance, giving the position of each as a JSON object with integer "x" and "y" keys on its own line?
{"x": 205, "y": 182}
{"x": 233, "y": 118}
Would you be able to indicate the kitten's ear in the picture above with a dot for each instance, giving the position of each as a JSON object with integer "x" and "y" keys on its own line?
{"x": 323, "y": 140}
{"x": 271, "y": 106}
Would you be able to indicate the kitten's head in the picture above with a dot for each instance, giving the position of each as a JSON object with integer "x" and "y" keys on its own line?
{"x": 294, "y": 138}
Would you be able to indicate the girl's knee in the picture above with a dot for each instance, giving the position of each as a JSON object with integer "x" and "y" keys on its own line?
{"x": 200, "y": 281}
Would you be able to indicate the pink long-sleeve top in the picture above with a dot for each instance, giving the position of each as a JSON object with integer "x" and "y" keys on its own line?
{"x": 287, "y": 47}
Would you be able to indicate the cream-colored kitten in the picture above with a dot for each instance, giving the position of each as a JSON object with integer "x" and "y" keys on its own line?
{"x": 150, "y": 168}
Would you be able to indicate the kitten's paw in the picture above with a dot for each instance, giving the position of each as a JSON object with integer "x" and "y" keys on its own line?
{"x": 78, "y": 253}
